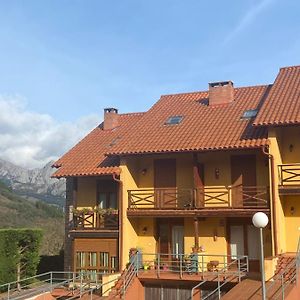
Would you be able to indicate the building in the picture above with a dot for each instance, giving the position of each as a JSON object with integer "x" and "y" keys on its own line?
{"x": 187, "y": 176}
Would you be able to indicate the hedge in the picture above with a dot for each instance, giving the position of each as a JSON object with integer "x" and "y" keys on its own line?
{"x": 19, "y": 249}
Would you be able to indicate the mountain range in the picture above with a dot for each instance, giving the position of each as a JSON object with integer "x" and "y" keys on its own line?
{"x": 35, "y": 183}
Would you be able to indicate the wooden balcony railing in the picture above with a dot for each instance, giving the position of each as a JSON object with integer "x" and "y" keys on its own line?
{"x": 289, "y": 174}
{"x": 209, "y": 197}
{"x": 95, "y": 220}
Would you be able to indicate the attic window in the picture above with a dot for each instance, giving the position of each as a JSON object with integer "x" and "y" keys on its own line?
{"x": 174, "y": 120}
{"x": 250, "y": 113}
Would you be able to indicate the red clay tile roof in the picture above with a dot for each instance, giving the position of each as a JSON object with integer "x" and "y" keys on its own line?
{"x": 203, "y": 127}
{"x": 87, "y": 157}
{"x": 282, "y": 106}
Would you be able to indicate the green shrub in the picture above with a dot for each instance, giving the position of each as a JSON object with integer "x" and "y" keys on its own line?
{"x": 19, "y": 253}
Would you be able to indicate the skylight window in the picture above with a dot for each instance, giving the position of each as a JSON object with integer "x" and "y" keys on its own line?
{"x": 250, "y": 113}
{"x": 174, "y": 120}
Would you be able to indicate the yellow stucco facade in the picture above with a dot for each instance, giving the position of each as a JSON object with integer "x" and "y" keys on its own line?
{"x": 285, "y": 148}
{"x": 214, "y": 231}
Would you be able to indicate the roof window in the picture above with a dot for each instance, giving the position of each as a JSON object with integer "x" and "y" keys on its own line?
{"x": 250, "y": 113}
{"x": 174, "y": 120}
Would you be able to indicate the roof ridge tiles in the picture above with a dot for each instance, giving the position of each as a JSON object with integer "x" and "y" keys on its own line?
{"x": 290, "y": 67}
{"x": 206, "y": 91}
{"x": 133, "y": 113}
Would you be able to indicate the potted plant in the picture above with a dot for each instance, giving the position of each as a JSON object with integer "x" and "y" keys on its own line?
{"x": 133, "y": 251}
{"x": 195, "y": 249}
{"x": 146, "y": 266}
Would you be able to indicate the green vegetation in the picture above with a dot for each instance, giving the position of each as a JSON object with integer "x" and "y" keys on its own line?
{"x": 17, "y": 212}
{"x": 19, "y": 253}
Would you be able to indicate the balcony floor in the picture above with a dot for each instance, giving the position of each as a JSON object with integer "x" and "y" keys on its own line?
{"x": 289, "y": 189}
{"x": 206, "y": 212}
{"x": 145, "y": 275}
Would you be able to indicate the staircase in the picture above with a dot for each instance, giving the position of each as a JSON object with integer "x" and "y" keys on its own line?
{"x": 277, "y": 287}
{"x": 286, "y": 266}
{"x": 116, "y": 291}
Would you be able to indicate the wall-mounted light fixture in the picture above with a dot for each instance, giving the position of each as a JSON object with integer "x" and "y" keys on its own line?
{"x": 291, "y": 147}
{"x": 292, "y": 210}
{"x": 144, "y": 230}
{"x": 215, "y": 235}
{"x": 217, "y": 173}
{"x": 144, "y": 171}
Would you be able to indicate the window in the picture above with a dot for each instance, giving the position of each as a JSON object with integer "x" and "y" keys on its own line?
{"x": 104, "y": 262}
{"x": 80, "y": 259}
{"x": 174, "y": 120}
{"x": 114, "y": 263}
{"x": 92, "y": 259}
{"x": 89, "y": 263}
{"x": 107, "y": 200}
{"x": 250, "y": 113}
{"x": 107, "y": 195}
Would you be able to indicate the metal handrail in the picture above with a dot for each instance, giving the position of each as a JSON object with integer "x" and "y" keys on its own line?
{"x": 242, "y": 268}
{"x": 129, "y": 274}
{"x": 44, "y": 289}
{"x": 51, "y": 277}
{"x": 93, "y": 289}
{"x": 280, "y": 276}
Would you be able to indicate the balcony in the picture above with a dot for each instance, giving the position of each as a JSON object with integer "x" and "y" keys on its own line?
{"x": 87, "y": 219}
{"x": 208, "y": 201}
{"x": 289, "y": 179}
{"x": 190, "y": 267}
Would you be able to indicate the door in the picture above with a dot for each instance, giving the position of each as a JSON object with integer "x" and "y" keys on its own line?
{"x": 253, "y": 248}
{"x": 199, "y": 184}
{"x": 165, "y": 183}
{"x": 243, "y": 176}
{"x": 177, "y": 240}
{"x": 236, "y": 240}
{"x": 170, "y": 238}
{"x": 244, "y": 240}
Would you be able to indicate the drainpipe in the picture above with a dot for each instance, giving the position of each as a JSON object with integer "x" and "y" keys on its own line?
{"x": 120, "y": 220}
{"x": 274, "y": 219}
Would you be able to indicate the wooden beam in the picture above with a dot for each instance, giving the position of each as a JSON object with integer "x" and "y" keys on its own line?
{"x": 196, "y": 226}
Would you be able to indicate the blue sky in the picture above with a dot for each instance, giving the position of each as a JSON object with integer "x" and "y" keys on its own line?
{"x": 67, "y": 59}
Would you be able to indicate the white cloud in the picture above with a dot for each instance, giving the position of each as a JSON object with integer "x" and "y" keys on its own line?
{"x": 247, "y": 19}
{"x": 30, "y": 139}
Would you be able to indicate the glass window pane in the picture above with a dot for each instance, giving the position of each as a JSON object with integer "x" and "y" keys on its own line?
{"x": 113, "y": 200}
{"x": 80, "y": 259}
{"x": 102, "y": 200}
{"x": 114, "y": 263}
{"x": 92, "y": 259}
{"x": 104, "y": 262}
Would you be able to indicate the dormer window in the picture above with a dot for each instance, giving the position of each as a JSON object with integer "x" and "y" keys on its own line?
{"x": 250, "y": 113}
{"x": 174, "y": 120}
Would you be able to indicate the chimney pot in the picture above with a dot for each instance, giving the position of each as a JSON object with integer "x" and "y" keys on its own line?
{"x": 221, "y": 92}
{"x": 111, "y": 118}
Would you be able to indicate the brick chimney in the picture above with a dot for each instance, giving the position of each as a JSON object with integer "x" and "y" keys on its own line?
{"x": 111, "y": 118}
{"x": 220, "y": 93}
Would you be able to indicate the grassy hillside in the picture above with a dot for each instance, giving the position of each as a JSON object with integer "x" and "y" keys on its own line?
{"x": 16, "y": 212}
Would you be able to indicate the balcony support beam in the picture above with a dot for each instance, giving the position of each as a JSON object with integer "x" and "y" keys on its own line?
{"x": 196, "y": 226}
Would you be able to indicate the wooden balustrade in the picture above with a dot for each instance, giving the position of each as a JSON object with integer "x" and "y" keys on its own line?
{"x": 289, "y": 174}
{"x": 95, "y": 220}
{"x": 209, "y": 197}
